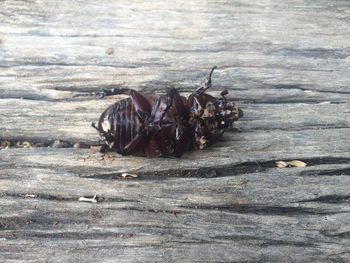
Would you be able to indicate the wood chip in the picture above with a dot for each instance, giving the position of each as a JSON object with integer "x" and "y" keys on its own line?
{"x": 294, "y": 163}
{"x": 80, "y": 145}
{"x": 128, "y": 175}
{"x": 86, "y": 199}
{"x": 324, "y": 102}
{"x": 23, "y": 144}
{"x": 297, "y": 163}
{"x": 77, "y": 145}
{"x": 31, "y": 196}
{"x": 26, "y": 144}
{"x": 281, "y": 164}
{"x": 96, "y": 148}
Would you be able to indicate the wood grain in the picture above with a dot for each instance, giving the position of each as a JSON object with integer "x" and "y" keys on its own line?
{"x": 285, "y": 63}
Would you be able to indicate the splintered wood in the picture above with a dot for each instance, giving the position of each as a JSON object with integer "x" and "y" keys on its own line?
{"x": 88, "y": 199}
{"x": 294, "y": 163}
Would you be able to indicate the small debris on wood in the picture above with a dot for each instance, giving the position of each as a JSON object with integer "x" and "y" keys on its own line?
{"x": 26, "y": 144}
{"x": 202, "y": 142}
{"x": 108, "y": 156}
{"x": 56, "y": 144}
{"x": 88, "y": 199}
{"x": 4, "y": 224}
{"x": 281, "y": 164}
{"x": 109, "y": 51}
{"x": 80, "y": 145}
{"x": 60, "y": 144}
{"x": 31, "y": 195}
{"x": 294, "y": 163}
{"x": 77, "y": 145}
{"x": 297, "y": 163}
{"x": 5, "y": 144}
{"x": 129, "y": 175}
{"x": 96, "y": 148}
{"x": 324, "y": 103}
{"x": 23, "y": 144}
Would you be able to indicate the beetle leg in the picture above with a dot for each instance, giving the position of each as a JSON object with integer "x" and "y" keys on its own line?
{"x": 165, "y": 145}
{"x": 152, "y": 149}
{"x": 141, "y": 104}
{"x": 161, "y": 130}
{"x": 155, "y": 109}
{"x": 178, "y": 103}
{"x": 137, "y": 144}
{"x": 169, "y": 102}
{"x": 182, "y": 141}
{"x": 102, "y": 93}
{"x": 182, "y": 136}
{"x": 109, "y": 92}
{"x": 106, "y": 138}
{"x": 163, "y": 105}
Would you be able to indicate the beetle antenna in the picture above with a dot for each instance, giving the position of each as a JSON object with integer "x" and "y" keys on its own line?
{"x": 211, "y": 73}
{"x": 207, "y": 83}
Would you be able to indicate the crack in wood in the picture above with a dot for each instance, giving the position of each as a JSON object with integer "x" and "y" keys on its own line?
{"x": 264, "y": 241}
{"x": 263, "y": 209}
{"x": 300, "y": 87}
{"x": 335, "y": 172}
{"x": 329, "y": 199}
{"x": 225, "y": 171}
{"x": 344, "y": 235}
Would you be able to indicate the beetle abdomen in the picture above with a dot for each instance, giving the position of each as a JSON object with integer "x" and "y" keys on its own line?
{"x": 121, "y": 122}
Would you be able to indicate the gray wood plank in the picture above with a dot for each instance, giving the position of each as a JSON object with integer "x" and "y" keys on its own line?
{"x": 50, "y": 49}
{"x": 285, "y": 63}
{"x": 284, "y": 214}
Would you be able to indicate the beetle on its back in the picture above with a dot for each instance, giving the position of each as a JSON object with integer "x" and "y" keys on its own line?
{"x": 166, "y": 125}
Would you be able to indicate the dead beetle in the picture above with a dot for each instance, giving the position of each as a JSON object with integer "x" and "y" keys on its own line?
{"x": 166, "y": 125}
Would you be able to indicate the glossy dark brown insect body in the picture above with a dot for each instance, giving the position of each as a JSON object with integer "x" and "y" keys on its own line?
{"x": 166, "y": 125}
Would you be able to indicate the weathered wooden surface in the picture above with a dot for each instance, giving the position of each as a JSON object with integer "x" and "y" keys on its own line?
{"x": 287, "y": 65}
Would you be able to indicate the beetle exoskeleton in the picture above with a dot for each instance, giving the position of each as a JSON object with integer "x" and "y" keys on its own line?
{"x": 166, "y": 125}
